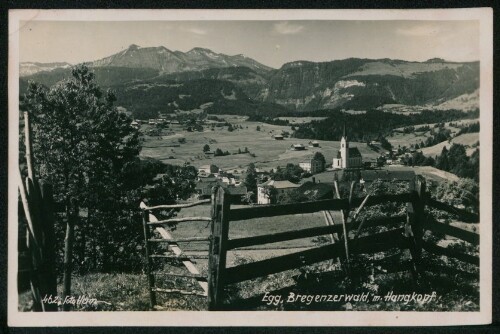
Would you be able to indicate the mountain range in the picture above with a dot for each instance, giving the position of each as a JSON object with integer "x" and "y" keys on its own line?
{"x": 155, "y": 79}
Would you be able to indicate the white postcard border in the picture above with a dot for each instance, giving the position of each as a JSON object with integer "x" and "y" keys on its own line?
{"x": 261, "y": 318}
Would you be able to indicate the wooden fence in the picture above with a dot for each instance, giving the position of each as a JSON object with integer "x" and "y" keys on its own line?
{"x": 409, "y": 236}
{"x": 37, "y": 201}
{"x": 406, "y": 231}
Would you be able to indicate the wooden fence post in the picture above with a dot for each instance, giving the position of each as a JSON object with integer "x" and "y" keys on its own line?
{"x": 212, "y": 259}
{"x": 345, "y": 216}
{"x": 29, "y": 146}
{"x": 414, "y": 224}
{"x": 149, "y": 263}
{"x": 220, "y": 237}
{"x": 48, "y": 274}
{"x": 68, "y": 252}
{"x": 418, "y": 222}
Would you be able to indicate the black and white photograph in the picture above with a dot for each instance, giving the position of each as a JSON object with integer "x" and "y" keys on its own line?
{"x": 250, "y": 167}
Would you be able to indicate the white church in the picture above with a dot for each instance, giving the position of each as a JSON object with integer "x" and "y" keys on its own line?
{"x": 347, "y": 157}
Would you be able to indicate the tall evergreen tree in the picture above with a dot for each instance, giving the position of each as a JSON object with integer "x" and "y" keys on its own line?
{"x": 251, "y": 179}
{"x": 81, "y": 145}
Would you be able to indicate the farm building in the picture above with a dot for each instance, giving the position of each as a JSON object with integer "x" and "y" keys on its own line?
{"x": 298, "y": 147}
{"x": 314, "y": 143}
{"x": 135, "y": 124}
{"x": 312, "y": 166}
{"x": 206, "y": 170}
{"x": 280, "y": 186}
{"x": 278, "y": 137}
{"x": 347, "y": 157}
{"x": 204, "y": 189}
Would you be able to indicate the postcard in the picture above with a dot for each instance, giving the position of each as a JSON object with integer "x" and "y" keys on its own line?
{"x": 250, "y": 167}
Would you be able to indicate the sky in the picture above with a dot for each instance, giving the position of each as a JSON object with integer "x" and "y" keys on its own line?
{"x": 272, "y": 43}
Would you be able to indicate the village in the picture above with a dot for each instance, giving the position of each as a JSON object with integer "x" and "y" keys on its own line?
{"x": 222, "y": 147}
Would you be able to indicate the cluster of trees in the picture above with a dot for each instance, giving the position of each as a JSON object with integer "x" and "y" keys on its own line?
{"x": 385, "y": 143}
{"x": 291, "y": 172}
{"x": 455, "y": 160}
{"x": 268, "y": 120}
{"x": 89, "y": 152}
{"x": 423, "y": 128}
{"x": 418, "y": 159}
{"x": 436, "y": 137}
{"x": 219, "y": 153}
{"x": 464, "y": 192}
{"x": 372, "y": 124}
{"x": 470, "y": 128}
{"x": 245, "y": 150}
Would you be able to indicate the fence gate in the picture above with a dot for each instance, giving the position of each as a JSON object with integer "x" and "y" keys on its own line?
{"x": 150, "y": 225}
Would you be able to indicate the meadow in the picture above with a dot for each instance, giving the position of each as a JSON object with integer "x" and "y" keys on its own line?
{"x": 469, "y": 140}
{"x": 415, "y": 137}
{"x": 269, "y": 153}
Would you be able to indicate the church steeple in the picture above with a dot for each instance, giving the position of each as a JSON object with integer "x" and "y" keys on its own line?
{"x": 344, "y": 150}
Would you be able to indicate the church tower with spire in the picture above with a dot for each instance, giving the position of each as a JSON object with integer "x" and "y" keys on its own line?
{"x": 347, "y": 157}
{"x": 344, "y": 150}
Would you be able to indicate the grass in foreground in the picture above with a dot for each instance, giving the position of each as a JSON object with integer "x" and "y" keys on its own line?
{"x": 124, "y": 292}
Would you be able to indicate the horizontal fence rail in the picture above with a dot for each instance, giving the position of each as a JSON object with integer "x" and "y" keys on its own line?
{"x": 383, "y": 241}
{"x": 180, "y": 220}
{"x": 287, "y": 209}
{"x": 282, "y": 236}
{"x": 198, "y": 277}
{"x": 309, "y": 232}
{"x": 177, "y": 206}
{"x": 438, "y": 250}
{"x": 379, "y": 221}
{"x": 193, "y": 239}
{"x": 435, "y": 226}
{"x": 179, "y": 291}
{"x": 464, "y": 215}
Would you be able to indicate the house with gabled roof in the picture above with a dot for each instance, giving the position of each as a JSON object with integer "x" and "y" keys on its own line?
{"x": 280, "y": 186}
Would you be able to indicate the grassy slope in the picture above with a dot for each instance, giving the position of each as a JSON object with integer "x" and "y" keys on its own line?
{"x": 406, "y": 139}
{"x": 466, "y": 139}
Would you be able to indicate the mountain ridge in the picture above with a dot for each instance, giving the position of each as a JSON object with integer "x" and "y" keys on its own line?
{"x": 167, "y": 61}
{"x": 352, "y": 83}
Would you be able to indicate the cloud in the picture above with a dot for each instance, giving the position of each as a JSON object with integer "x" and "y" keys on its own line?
{"x": 420, "y": 30}
{"x": 197, "y": 31}
{"x": 286, "y": 28}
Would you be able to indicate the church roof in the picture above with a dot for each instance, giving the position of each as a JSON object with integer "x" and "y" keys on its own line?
{"x": 354, "y": 152}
